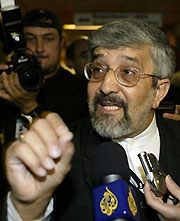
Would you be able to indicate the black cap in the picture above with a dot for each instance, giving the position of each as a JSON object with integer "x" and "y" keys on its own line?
{"x": 42, "y": 18}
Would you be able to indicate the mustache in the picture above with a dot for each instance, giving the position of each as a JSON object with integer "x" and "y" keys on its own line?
{"x": 100, "y": 98}
{"x": 40, "y": 56}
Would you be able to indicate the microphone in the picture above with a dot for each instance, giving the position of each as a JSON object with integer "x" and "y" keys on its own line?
{"x": 113, "y": 197}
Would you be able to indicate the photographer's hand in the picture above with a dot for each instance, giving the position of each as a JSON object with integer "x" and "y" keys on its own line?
{"x": 167, "y": 211}
{"x": 37, "y": 164}
{"x": 175, "y": 116}
{"x": 11, "y": 90}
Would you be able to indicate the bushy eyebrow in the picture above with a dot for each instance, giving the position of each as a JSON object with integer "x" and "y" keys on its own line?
{"x": 125, "y": 57}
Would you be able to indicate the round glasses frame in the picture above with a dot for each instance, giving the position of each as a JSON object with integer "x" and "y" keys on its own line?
{"x": 89, "y": 66}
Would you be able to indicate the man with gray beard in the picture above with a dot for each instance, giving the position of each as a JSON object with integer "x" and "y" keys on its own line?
{"x": 129, "y": 71}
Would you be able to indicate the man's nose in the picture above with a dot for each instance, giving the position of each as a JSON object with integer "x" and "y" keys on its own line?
{"x": 39, "y": 46}
{"x": 109, "y": 84}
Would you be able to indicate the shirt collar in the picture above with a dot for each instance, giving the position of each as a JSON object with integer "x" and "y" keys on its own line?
{"x": 149, "y": 132}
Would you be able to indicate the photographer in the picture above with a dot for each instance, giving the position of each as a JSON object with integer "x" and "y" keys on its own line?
{"x": 60, "y": 92}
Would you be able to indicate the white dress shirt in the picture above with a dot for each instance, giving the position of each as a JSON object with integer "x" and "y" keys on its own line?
{"x": 148, "y": 141}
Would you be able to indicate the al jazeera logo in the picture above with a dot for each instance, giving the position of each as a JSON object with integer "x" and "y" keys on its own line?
{"x": 109, "y": 203}
{"x": 132, "y": 203}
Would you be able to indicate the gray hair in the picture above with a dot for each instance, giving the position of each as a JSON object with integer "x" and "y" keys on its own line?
{"x": 133, "y": 33}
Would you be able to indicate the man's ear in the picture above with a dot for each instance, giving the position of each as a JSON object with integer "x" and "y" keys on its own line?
{"x": 161, "y": 91}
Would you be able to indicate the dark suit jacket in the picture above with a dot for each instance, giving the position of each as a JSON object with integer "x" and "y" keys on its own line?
{"x": 73, "y": 198}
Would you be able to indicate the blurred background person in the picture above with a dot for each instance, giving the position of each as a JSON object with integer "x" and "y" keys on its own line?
{"x": 77, "y": 55}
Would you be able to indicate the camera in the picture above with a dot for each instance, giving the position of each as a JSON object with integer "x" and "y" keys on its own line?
{"x": 22, "y": 61}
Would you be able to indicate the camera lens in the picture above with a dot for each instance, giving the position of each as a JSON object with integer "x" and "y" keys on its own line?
{"x": 30, "y": 74}
{"x": 30, "y": 80}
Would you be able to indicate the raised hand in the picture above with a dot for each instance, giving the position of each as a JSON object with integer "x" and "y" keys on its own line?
{"x": 38, "y": 164}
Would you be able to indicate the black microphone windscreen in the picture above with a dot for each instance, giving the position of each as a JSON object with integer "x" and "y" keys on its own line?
{"x": 110, "y": 158}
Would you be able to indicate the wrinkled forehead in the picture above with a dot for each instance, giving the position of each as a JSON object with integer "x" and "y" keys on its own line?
{"x": 138, "y": 57}
{"x": 127, "y": 53}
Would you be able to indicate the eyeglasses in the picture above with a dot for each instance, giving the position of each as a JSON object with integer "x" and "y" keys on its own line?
{"x": 125, "y": 75}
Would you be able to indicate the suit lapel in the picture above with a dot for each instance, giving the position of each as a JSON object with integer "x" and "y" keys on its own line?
{"x": 88, "y": 152}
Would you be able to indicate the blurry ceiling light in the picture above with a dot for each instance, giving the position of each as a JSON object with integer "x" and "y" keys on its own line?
{"x": 80, "y": 27}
